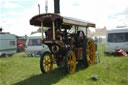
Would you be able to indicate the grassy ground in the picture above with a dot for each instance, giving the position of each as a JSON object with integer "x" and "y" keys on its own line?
{"x": 20, "y": 69}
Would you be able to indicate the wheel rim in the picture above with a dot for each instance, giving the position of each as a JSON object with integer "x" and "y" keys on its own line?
{"x": 47, "y": 62}
{"x": 90, "y": 52}
{"x": 71, "y": 64}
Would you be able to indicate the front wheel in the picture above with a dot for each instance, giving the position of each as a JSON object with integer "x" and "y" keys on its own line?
{"x": 46, "y": 62}
{"x": 70, "y": 62}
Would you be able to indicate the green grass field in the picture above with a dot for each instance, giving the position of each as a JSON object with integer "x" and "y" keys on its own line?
{"x": 20, "y": 69}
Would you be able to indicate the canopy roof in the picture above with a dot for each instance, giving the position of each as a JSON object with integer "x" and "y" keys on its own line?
{"x": 48, "y": 18}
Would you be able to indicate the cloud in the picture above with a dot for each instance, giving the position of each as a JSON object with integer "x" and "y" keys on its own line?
{"x": 12, "y": 0}
{"x": 120, "y": 18}
{"x": 11, "y": 5}
{"x": 8, "y": 4}
{"x": 12, "y": 13}
{"x": 18, "y": 22}
{"x": 101, "y": 12}
{"x": 124, "y": 12}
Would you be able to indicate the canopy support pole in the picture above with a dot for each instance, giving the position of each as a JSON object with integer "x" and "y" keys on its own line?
{"x": 86, "y": 31}
{"x": 53, "y": 30}
{"x": 42, "y": 31}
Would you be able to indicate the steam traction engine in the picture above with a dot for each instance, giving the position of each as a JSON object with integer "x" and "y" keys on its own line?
{"x": 67, "y": 41}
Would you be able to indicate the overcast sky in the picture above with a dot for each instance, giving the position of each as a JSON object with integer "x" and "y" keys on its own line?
{"x": 15, "y": 14}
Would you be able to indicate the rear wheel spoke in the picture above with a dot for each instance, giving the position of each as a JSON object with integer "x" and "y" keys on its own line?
{"x": 90, "y": 52}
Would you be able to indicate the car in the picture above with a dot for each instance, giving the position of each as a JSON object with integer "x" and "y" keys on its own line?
{"x": 20, "y": 46}
{"x": 34, "y": 46}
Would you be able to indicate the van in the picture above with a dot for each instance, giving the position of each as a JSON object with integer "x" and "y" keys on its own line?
{"x": 8, "y": 44}
{"x": 116, "y": 39}
{"x": 34, "y": 46}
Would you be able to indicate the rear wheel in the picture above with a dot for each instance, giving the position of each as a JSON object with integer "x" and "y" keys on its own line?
{"x": 89, "y": 55}
{"x": 46, "y": 62}
{"x": 70, "y": 62}
{"x": 90, "y": 52}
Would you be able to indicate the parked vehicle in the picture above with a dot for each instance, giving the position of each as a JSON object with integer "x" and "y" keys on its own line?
{"x": 7, "y": 44}
{"x": 67, "y": 47}
{"x": 21, "y": 44}
{"x": 116, "y": 39}
{"x": 34, "y": 46}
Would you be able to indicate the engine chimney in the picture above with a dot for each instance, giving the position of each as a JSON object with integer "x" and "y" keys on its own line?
{"x": 0, "y": 29}
{"x": 57, "y": 6}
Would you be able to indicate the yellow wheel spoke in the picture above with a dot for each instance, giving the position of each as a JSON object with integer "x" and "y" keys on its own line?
{"x": 90, "y": 52}
{"x": 47, "y": 62}
{"x": 71, "y": 63}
